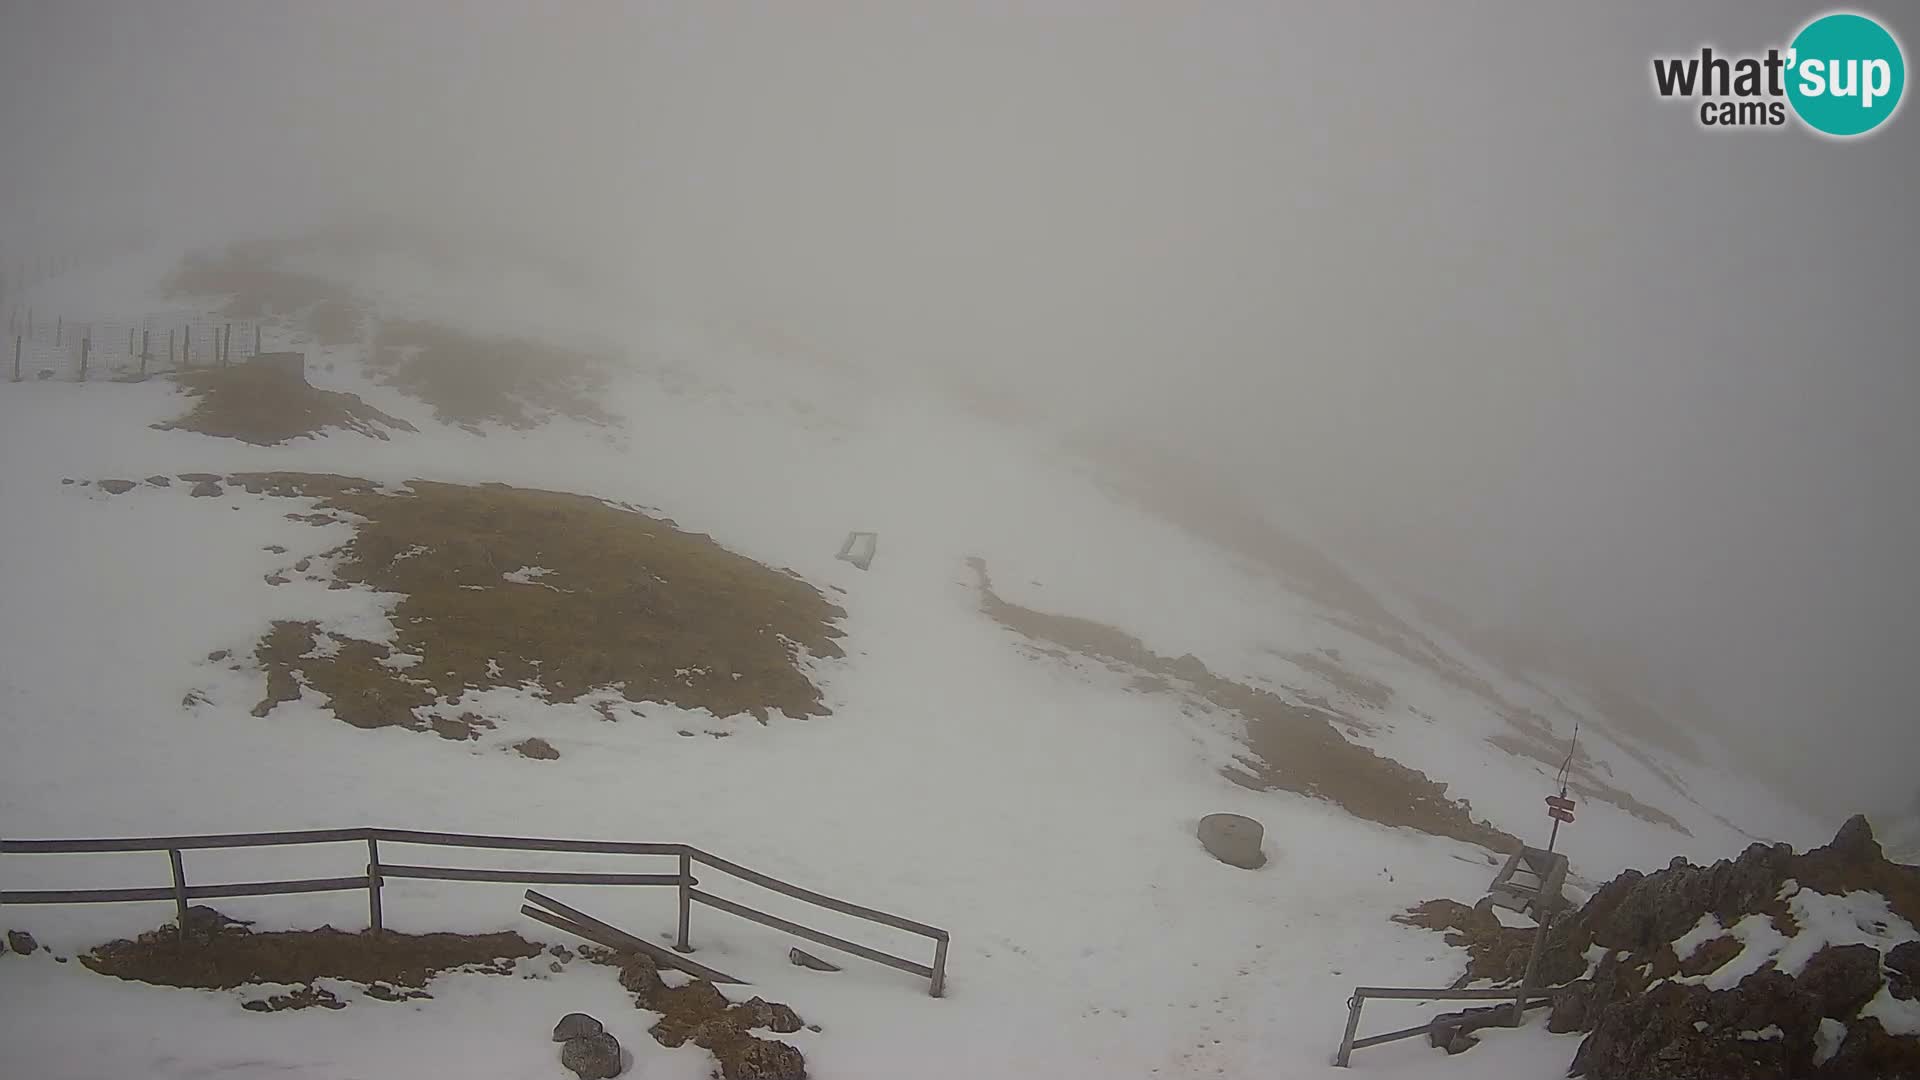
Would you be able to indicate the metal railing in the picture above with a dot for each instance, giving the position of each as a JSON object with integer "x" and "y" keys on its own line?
{"x": 1534, "y": 999}
{"x": 377, "y": 871}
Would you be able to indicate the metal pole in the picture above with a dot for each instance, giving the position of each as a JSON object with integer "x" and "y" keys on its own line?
{"x": 939, "y": 985}
{"x": 1345, "y": 1053}
{"x": 373, "y": 884}
{"x": 16, "y": 358}
{"x": 86, "y": 347}
{"x": 1543, "y": 914}
{"x": 179, "y": 893}
{"x": 686, "y": 902}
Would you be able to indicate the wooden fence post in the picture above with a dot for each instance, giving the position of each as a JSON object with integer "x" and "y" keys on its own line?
{"x": 186, "y": 347}
{"x": 86, "y": 347}
{"x": 59, "y": 327}
{"x": 129, "y": 341}
{"x": 146, "y": 350}
{"x": 179, "y": 893}
{"x": 170, "y": 347}
{"x": 226, "y": 345}
{"x": 686, "y": 901}
{"x": 16, "y": 358}
{"x": 373, "y": 885}
{"x": 939, "y": 985}
{"x": 256, "y": 338}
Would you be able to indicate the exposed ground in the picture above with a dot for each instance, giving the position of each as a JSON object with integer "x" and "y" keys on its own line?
{"x": 1532, "y": 737}
{"x": 220, "y": 954}
{"x": 263, "y": 406}
{"x": 1290, "y": 747}
{"x": 256, "y": 287}
{"x": 563, "y": 594}
{"x": 468, "y": 380}
{"x": 471, "y": 381}
{"x": 699, "y": 1013}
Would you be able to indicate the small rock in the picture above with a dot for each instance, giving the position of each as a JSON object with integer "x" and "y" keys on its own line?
{"x": 66, "y": 479}
{"x": 807, "y": 960}
{"x": 117, "y": 487}
{"x": 21, "y": 942}
{"x": 576, "y": 1026}
{"x": 205, "y": 489}
{"x": 256, "y": 1006}
{"x": 554, "y": 966}
{"x": 218, "y": 655}
{"x": 275, "y": 579}
{"x": 592, "y": 1057}
{"x": 538, "y": 749}
{"x": 160, "y": 481}
{"x": 565, "y": 954}
{"x": 301, "y": 566}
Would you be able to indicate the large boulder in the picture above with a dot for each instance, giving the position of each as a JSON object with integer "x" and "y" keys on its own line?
{"x": 1234, "y": 840}
{"x": 593, "y": 1057}
{"x": 576, "y": 1026}
{"x": 1841, "y": 978}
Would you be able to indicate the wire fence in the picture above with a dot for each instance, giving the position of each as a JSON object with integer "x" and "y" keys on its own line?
{"x": 120, "y": 348}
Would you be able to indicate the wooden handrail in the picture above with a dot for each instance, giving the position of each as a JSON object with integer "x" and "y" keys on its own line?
{"x": 378, "y": 870}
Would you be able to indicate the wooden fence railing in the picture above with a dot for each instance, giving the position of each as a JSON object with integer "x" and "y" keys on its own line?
{"x": 377, "y": 871}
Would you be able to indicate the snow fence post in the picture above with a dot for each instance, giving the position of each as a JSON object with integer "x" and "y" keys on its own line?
{"x": 939, "y": 985}
{"x": 16, "y": 358}
{"x": 686, "y": 900}
{"x": 86, "y": 346}
{"x": 179, "y": 893}
{"x": 373, "y": 885}
{"x": 1345, "y": 1053}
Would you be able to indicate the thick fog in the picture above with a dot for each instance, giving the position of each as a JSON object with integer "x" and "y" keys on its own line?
{"x": 1443, "y": 284}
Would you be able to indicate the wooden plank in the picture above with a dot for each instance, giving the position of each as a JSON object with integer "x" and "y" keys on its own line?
{"x": 810, "y": 934}
{"x": 277, "y": 888}
{"x": 521, "y": 843}
{"x": 524, "y": 877}
{"x": 83, "y": 896}
{"x": 615, "y": 938}
{"x": 819, "y": 899}
{"x": 183, "y": 843}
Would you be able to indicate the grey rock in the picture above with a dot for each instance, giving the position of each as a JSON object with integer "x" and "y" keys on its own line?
{"x": 116, "y": 487}
{"x": 576, "y": 1026}
{"x": 1234, "y": 840}
{"x": 1841, "y": 978}
{"x": 204, "y": 489}
{"x": 1903, "y": 969}
{"x": 592, "y": 1057}
{"x": 21, "y": 942}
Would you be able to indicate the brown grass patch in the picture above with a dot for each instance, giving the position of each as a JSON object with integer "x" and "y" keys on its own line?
{"x": 265, "y": 407}
{"x": 1370, "y": 693}
{"x": 471, "y": 381}
{"x": 1290, "y": 747}
{"x": 221, "y": 955}
{"x": 256, "y": 288}
{"x": 630, "y": 604}
{"x": 1535, "y": 741}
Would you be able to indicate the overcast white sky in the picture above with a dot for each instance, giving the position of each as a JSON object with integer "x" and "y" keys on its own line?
{"x": 1444, "y": 280}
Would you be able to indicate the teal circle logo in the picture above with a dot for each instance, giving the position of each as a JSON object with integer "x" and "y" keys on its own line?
{"x": 1845, "y": 74}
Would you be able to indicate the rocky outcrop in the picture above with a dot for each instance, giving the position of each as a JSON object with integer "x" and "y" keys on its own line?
{"x": 1650, "y": 1012}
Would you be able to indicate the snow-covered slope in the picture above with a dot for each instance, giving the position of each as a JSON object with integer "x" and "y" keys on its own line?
{"x": 1040, "y": 809}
